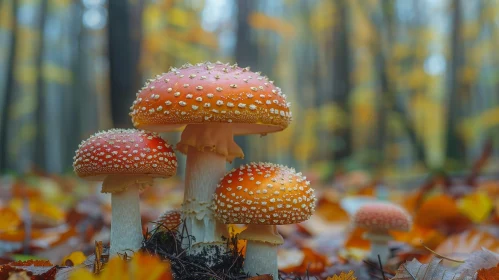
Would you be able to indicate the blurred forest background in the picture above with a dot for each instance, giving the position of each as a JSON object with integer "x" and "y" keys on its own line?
{"x": 397, "y": 87}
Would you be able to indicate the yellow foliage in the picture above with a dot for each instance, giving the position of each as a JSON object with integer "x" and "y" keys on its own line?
{"x": 265, "y": 22}
{"x": 477, "y": 206}
{"x": 142, "y": 266}
{"x": 9, "y": 220}
{"x": 343, "y": 276}
{"x": 75, "y": 258}
{"x": 324, "y": 16}
{"x": 40, "y": 210}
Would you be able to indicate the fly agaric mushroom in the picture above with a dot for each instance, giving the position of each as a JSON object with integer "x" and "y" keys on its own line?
{"x": 263, "y": 195}
{"x": 169, "y": 221}
{"x": 126, "y": 160}
{"x": 216, "y": 101}
{"x": 379, "y": 218}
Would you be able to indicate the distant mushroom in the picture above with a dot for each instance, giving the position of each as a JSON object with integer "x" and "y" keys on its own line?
{"x": 216, "y": 101}
{"x": 126, "y": 160}
{"x": 169, "y": 221}
{"x": 263, "y": 195}
{"x": 379, "y": 218}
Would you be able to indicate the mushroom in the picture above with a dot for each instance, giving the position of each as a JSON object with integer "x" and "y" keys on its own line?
{"x": 263, "y": 195}
{"x": 169, "y": 221}
{"x": 216, "y": 101}
{"x": 379, "y": 218}
{"x": 126, "y": 160}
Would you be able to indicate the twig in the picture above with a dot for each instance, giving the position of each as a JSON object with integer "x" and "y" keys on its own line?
{"x": 440, "y": 256}
{"x": 381, "y": 267}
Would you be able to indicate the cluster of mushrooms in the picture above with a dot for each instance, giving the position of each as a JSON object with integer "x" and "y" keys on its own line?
{"x": 214, "y": 102}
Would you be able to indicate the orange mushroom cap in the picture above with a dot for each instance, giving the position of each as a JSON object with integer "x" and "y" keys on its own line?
{"x": 170, "y": 220}
{"x": 124, "y": 152}
{"x": 211, "y": 93}
{"x": 264, "y": 194}
{"x": 382, "y": 216}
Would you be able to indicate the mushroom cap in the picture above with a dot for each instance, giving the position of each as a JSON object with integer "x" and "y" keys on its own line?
{"x": 170, "y": 220}
{"x": 211, "y": 93}
{"x": 124, "y": 152}
{"x": 381, "y": 217}
{"x": 264, "y": 194}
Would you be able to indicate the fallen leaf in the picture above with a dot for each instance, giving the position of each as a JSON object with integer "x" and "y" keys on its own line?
{"x": 488, "y": 273}
{"x": 433, "y": 270}
{"x": 481, "y": 259}
{"x": 459, "y": 246}
{"x": 312, "y": 263}
{"x": 330, "y": 210}
{"x": 343, "y": 276}
{"x": 418, "y": 236}
{"x": 476, "y": 205}
{"x": 75, "y": 258}
{"x": 141, "y": 266}
{"x": 9, "y": 220}
{"x": 355, "y": 239}
{"x": 440, "y": 212}
{"x": 261, "y": 277}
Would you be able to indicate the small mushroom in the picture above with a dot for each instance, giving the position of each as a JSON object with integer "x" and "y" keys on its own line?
{"x": 169, "y": 221}
{"x": 379, "y": 218}
{"x": 126, "y": 160}
{"x": 263, "y": 195}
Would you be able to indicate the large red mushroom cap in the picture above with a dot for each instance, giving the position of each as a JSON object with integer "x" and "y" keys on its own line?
{"x": 264, "y": 194}
{"x": 211, "y": 93}
{"x": 124, "y": 152}
{"x": 381, "y": 217}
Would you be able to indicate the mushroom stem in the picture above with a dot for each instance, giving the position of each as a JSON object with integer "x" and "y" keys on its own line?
{"x": 261, "y": 249}
{"x": 261, "y": 258}
{"x": 203, "y": 172}
{"x": 126, "y": 228}
{"x": 379, "y": 246}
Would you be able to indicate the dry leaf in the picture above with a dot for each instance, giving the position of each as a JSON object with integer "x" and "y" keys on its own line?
{"x": 488, "y": 274}
{"x": 459, "y": 246}
{"x": 418, "y": 236}
{"x": 343, "y": 276}
{"x": 313, "y": 263}
{"x": 73, "y": 259}
{"x": 476, "y": 205}
{"x": 414, "y": 270}
{"x": 9, "y": 220}
{"x": 330, "y": 210}
{"x": 142, "y": 266}
{"x": 355, "y": 240}
{"x": 440, "y": 212}
{"x": 481, "y": 259}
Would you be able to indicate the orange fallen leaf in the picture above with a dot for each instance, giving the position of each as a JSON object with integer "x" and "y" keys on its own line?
{"x": 330, "y": 210}
{"x": 141, "y": 266}
{"x": 343, "y": 276}
{"x": 418, "y": 236}
{"x": 9, "y": 220}
{"x": 488, "y": 274}
{"x": 355, "y": 240}
{"x": 235, "y": 230}
{"x": 261, "y": 277}
{"x": 313, "y": 263}
{"x": 459, "y": 246}
{"x": 441, "y": 212}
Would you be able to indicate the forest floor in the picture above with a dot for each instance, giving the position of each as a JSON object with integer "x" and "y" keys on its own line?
{"x": 50, "y": 225}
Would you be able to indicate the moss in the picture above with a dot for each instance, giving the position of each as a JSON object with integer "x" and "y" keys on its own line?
{"x": 167, "y": 244}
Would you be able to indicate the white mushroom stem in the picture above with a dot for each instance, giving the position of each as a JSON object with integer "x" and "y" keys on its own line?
{"x": 126, "y": 227}
{"x": 379, "y": 245}
{"x": 261, "y": 250}
{"x": 207, "y": 146}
